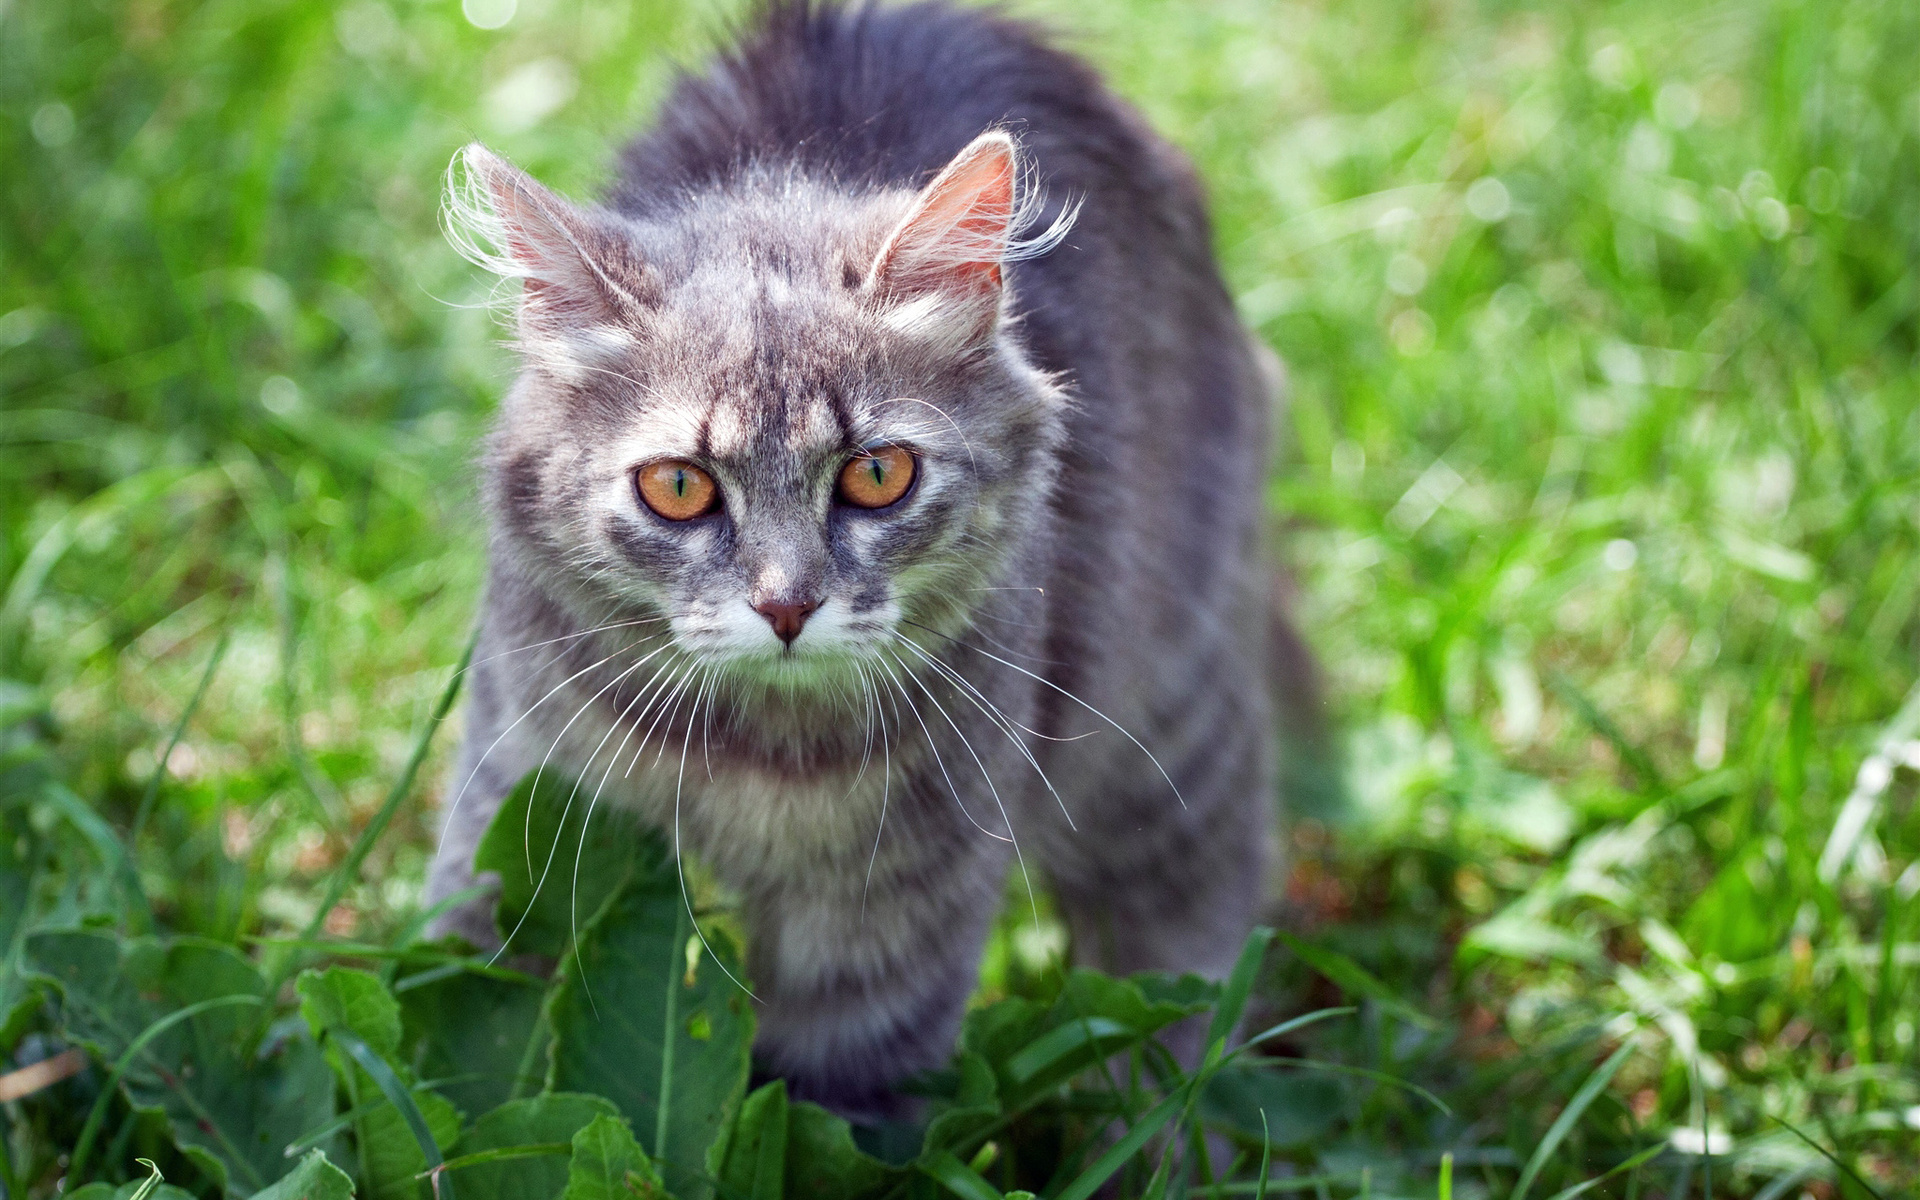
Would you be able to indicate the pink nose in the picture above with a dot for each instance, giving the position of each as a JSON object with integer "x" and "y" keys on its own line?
{"x": 786, "y": 619}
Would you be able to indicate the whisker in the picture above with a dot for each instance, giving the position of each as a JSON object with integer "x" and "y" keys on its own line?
{"x": 974, "y": 462}
{"x": 573, "y": 903}
{"x": 527, "y": 840}
{"x": 533, "y": 797}
{"x": 706, "y": 729}
{"x": 994, "y": 714}
{"x": 1077, "y": 700}
{"x": 679, "y": 685}
{"x": 685, "y": 897}
{"x": 447, "y": 821}
{"x": 866, "y": 752}
{"x": 886, "y": 783}
{"x": 1018, "y": 856}
{"x": 928, "y": 734}
{"x": 580, "y": 852}
{"x": 567, "y": 638}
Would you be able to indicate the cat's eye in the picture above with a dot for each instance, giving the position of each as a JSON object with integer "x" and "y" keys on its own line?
{"x": 876, "y": 478}
{"x": 677, "y": 490}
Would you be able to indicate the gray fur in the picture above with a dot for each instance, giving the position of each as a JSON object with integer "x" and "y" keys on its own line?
{"x": 1080, "y": 549}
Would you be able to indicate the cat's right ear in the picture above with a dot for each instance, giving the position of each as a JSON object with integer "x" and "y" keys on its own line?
{"x": 940, "y": 272}
{"x": 581, "y": 278}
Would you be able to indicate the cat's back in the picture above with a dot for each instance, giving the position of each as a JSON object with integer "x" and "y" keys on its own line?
{"x": 885, "y": 95}
{"x": 881, "y": 95}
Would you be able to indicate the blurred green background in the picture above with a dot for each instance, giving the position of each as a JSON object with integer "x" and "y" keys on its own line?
{"x": 1600, "y": 486}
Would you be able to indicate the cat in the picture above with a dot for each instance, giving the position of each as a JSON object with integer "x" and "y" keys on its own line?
{"x": 887, "y": 446}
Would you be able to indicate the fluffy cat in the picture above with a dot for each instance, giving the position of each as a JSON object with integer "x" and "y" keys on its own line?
{"x": 886, "y": 443}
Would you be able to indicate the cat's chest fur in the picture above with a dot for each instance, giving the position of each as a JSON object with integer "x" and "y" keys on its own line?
{"x": 752, "y": 798}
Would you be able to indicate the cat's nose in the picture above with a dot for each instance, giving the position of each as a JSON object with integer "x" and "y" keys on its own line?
{"x": 786, "y": 619}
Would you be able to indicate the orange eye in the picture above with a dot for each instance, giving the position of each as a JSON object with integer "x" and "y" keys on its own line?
{"x": 876, "y": 478}
{"x": 677, "y": 490}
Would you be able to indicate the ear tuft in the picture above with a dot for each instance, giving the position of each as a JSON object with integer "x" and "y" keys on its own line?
{"x": 576, "y": 269}
{"x": 964, "y": 227}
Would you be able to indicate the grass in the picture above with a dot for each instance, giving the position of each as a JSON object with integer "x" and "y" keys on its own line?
{"x": 1600, "y": 489}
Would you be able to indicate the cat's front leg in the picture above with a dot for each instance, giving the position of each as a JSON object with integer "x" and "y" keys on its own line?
{"x": 863, "y": 986}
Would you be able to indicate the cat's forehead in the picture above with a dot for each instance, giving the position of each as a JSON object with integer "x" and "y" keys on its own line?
{"x": 766, "y": 362}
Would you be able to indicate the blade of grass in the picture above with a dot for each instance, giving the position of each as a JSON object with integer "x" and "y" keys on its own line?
{"x": 1239, "y": 985}
{"x": 308, "y": 1141}
{"x": 1355, "y": 979}
{"x": 159, "y": 772}
{"x": 1582, "y": 1188}
{"x": 1564, "y": 1123}
{"x": 401, "y": 1098}
{"x": 1266, "y": 1156}
{"x": 76, "y": 1170}
{"x": 151, "y": 1182}
{"x": 957, "y": 1177}
{"x": 1366, "y": 1073}
{"x": 1286, "y": 1027}
{"x": 349, "y": 867}
{"x": 1630, "y": 753}
{"x": 1830, "y": 1157}
{"x": 1117, "y": 1155}
{"x": 497, "y": 1154}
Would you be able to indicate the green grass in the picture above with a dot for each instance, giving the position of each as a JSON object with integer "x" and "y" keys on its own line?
{"x": 1600, "y": 487}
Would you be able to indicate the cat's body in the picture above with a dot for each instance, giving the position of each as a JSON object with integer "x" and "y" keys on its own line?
{"x": 1088, "y": 440}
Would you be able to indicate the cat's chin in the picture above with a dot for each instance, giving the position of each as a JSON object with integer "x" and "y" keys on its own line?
{"x": 796, "y": 672}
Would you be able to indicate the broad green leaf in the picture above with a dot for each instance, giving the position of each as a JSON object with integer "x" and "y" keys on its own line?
{"x": 313, "y": 1179}
{"x": 976, "y": 1104}
{"x": 339, "y": 999}
{"x": 343, "y": 998}
{"x": 750, "y": 1158}
{"x": 645, "y": 1018}
{"x": 823, "y": 1161}
{"x": 608, "y": 1164}
{"x": 552, "y": 880}
{"x": 536, "y": 1120}
{"x": 775, "y": 1147}
{"x": 230, "y": 1108}
{"x": 1034, "y": 1050}
{"x": 21, "y": 853}
{"x": 473, "y": 1031}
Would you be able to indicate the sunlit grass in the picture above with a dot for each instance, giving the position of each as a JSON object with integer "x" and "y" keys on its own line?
{"x": 1600, "y": 486}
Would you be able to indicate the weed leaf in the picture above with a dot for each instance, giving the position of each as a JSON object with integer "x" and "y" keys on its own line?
{"x": 608, "y": 1164}
{"x": 543, "y": 1120}
{"x": 641, "y": 1017}
{"x": 229, "y": 1107}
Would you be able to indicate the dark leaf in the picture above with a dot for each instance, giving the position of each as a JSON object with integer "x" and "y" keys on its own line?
{"x": 645, "y": 1018}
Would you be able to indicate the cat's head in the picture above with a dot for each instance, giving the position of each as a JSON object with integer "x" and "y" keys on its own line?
{"x": 788, "y": 417}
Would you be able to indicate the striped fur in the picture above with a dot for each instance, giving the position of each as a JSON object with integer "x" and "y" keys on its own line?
{"x": 1049, "y": 656}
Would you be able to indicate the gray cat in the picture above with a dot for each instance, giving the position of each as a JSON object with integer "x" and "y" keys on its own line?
{"x": 878, "y": 512}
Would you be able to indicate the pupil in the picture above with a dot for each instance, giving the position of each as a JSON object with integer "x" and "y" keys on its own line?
{"x": 879, "y": 472}
{"x": 680, "y": 483}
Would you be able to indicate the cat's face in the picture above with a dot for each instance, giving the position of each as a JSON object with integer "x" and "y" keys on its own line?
{"x": 789, "y": 423}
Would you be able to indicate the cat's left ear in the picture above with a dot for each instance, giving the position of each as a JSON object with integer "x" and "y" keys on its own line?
{"x": 944, "y": 259}
{"x": 580, "y": 276}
